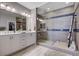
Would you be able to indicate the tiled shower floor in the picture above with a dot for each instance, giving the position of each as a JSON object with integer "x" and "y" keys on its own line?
{"x": 59, "y": 46}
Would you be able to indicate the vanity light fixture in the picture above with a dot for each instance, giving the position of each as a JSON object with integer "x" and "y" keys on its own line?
{"x": 8, "y": 8}
{"x": 13, "y": 10}
{"x": 48, "y": 9}
{"x": 2, "y": 6}
{"x": 23, "y": 14}
{"x": 26, "y": 14}
{"x": 29, "y": 15}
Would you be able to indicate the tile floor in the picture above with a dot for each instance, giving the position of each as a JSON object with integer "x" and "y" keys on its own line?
{"x": 40, "y": 51}
{"x": 59, "y": 46}
{"x": 44, "y": 51}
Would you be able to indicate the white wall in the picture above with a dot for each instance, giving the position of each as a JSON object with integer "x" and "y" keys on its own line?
{"x": 5, "y": 18}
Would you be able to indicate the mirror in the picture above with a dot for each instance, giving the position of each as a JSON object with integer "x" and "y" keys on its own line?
{"x": 20, "y": 23}
{"x": 10, "y": 21}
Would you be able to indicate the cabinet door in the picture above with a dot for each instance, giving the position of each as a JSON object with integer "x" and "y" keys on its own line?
{"x": 30, "y": 38}
{"x": 33, "y": 39}
{"x": 14, "y": 42}
{"x": 4, "y": 45}
{"x": 23, "y": 41}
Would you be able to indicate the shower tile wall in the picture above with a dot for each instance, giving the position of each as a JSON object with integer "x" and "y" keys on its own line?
{"x": 77, "y": 25}
{"x": 56, "y": 25}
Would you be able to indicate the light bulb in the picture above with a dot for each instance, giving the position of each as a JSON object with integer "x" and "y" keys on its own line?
{"x": 67, "y": 2}
{"x": 48, "y": 9}
{"x": 2, "y": 5}
{"x": 29, "y": 15}
{"x": 13, "y": 10}
{"x": 23, "y": 14}
{"x": 8, "y": 8}
{"x": 26, "y": 14}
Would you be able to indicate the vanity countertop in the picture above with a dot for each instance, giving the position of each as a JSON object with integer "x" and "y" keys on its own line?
{"x": 17, "y": 32}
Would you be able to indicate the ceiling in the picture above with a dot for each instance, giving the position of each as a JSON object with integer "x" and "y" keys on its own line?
{"x": 32, "y": 5}
{"x": 51, "y": 6}
{"x": 43, "y": 6}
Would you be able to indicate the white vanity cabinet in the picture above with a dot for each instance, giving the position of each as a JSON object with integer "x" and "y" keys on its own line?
{"x": 31, "y": 38}
{"x": 27, "y": 39}
{"x": 5, "y": 45}
{"x": 14, "y": 42}
{"x": 9, "y": 44}
{"x": 23, "y": 40}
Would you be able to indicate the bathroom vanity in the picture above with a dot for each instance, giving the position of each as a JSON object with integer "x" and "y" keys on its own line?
{"x": 11, "y": 43}
{"x": 15, "y": 33}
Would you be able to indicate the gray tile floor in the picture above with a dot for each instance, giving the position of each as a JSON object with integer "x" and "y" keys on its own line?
{"x": 60, "y": 46}
{"x": 41, "y": 50}
{"x": 44, "y": 51}
{"x": 26, "y": 50}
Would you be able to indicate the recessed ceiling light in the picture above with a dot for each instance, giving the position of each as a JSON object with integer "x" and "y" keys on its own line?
{"x": 8, "y": 8}
{"x": 48, "y": 8}
{"x": 67, "y": 2}
{"x": 13, "y": 10}
{"x": 23, "y": 13}
{"x": 2, "y": 5}
{"x": 26, "y": 14}
{"x": 29, "y": 15}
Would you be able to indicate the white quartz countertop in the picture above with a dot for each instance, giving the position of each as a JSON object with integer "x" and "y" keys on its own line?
{"x": 17, "y": 32}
